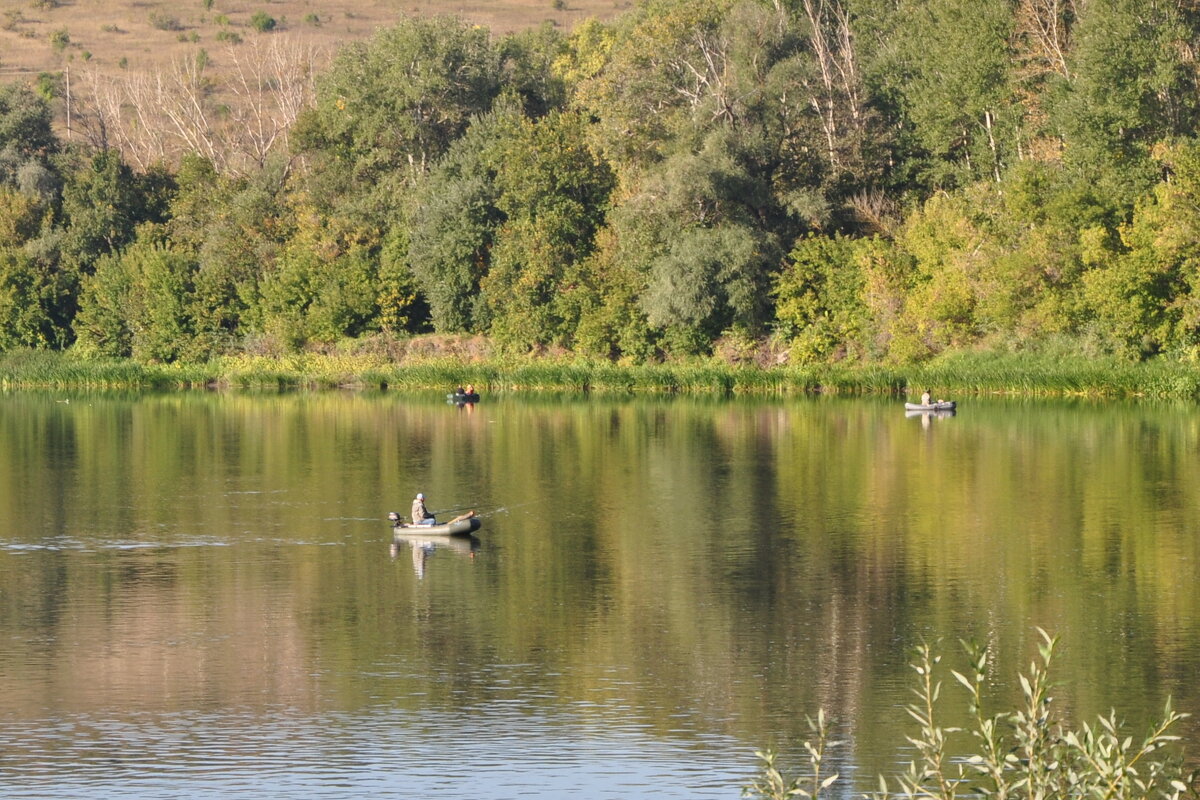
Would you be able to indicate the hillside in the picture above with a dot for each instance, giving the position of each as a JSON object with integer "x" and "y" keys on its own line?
{"x": 117, "y": 61}
{"x": 148, "y": 34}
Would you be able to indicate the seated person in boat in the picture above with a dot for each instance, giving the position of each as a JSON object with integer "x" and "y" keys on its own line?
{"x": 420, "y": 514}
{"x": 470, "y": 388}
{"x": 926, "y": 398}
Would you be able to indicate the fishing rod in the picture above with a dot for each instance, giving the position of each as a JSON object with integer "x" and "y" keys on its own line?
{"x": 492, "y": 512}
{"x": 505, "y": 509}
{"x": 449, "y": 510}
{"x": 499, "y": 510}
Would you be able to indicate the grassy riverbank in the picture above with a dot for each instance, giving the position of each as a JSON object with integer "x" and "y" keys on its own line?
{"x": 951, "y": 376}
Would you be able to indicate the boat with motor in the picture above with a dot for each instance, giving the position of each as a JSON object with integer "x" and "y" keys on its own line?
{"x": 930, "y": 414}
{"x": 941, "y": 405}
{"x": 459, "y": 526}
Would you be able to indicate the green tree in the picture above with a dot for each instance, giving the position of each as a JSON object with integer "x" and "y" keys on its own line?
{"x": 694, "y": 229}
{"x": 323, "y": 286}
{"x": 235, "y": 229}
{"x": 25, "y": 122}
{"x": 612, "y": 323}
{"x": 453, "y": 221}
{"x": 27, "y": 143}
{"x": 1130, "y": 87}
{"x": 102, "y": 323}
{"x": 104, "y": 202}
{"x": 552, "y": 192}
{"x": 137, "y": 302}
{"x": 653, "y": 77}
{"x": 955, "y": 69}
{"x": 394, "y": 104}
{"x": 528, "y": 61}
{"x": 1142, "y": 291}
{"x": 820, "y": 306}
{"x": 31, "y": 303}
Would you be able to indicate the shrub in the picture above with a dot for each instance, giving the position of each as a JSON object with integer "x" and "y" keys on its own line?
{"x": 49, "y": 85}
{"x": 312, "y": 19}
{"x": 229, "y": 36}
{"x": 59, "y": 39}
{"x": 262, "y": 22}
{"x": 164, "y": 22}
{"x": 1027, "y": 753}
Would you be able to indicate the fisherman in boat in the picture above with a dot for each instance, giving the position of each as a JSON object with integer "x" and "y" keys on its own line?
{"x": 470, "y": 390}
{"x": 926, "y": 398}
{"x": 420, "y": 514}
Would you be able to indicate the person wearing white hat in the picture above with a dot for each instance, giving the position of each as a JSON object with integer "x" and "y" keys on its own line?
{"x": 420, "y": 514}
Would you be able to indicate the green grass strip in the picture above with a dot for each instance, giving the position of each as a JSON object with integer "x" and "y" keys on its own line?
{"x": 955, "y": 375}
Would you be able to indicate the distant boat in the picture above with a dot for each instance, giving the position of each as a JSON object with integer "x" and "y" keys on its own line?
{"x": 941, "y": 405}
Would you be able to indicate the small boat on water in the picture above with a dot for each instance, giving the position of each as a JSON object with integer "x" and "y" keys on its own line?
{"x": 941, "y": 405}
{"x": 463, "y": 526}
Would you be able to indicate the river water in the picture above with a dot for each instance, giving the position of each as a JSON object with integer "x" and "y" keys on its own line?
{"x": 200, "y": 596}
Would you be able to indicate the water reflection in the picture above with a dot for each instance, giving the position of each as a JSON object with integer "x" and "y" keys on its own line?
{"x": 663, "y": 583}
{"x": 422, "y": 548}
{"x": 927, "y": 417}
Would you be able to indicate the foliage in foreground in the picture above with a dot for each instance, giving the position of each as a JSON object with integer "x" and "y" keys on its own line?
{"x": 1027, "y": 753}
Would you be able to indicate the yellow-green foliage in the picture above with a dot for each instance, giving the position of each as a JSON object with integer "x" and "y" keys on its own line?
{"x": 885, "y": 183}
{"x": 1028, "y": 753}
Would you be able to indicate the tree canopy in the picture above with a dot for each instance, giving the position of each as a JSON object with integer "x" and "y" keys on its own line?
{"x": 861, "y": 180}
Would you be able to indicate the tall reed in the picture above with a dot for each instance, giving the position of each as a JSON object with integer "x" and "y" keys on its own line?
{"x": 954, "y": 375}
{"x": 44, "y": 369}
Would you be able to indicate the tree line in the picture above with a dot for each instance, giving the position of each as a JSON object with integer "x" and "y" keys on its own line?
{"x": 818, "y": 180}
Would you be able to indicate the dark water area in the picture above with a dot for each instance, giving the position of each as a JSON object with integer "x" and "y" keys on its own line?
{"x": 200, "y": 595}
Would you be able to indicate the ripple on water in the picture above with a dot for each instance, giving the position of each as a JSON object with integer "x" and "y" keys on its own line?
{"x": 495, "y": 751}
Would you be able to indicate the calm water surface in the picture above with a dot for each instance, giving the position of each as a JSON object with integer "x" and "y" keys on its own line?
{"x": 200, "y": 597}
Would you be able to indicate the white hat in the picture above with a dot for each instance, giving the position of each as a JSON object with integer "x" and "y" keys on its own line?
{"x": 420, "y": 496}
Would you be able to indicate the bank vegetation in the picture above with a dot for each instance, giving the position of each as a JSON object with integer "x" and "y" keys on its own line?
{"x": 994, "y": 195}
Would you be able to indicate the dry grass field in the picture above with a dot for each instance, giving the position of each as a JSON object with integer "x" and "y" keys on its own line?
{"x": 110, "y": 51}
{"x": 147, "y": 34}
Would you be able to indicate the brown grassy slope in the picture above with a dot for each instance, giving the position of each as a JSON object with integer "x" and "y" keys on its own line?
{"x": 102, "y": 32}
{"x": 112, "y": 44}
